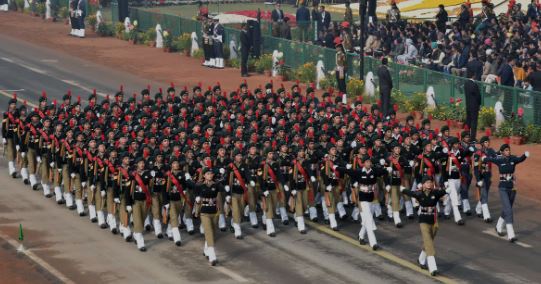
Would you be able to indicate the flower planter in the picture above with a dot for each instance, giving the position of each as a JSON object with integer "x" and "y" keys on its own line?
{"x": 267, "y": 73}
{"x": 517, "y": 140}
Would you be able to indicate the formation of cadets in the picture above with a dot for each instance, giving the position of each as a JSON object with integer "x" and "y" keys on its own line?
{"x": 160, "y": 162}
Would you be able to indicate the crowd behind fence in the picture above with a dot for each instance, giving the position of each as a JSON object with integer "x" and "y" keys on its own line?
{"x": 409, "y": 79}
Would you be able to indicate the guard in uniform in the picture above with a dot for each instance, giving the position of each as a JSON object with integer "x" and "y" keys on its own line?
{"x": 428, "y": 198}
{"x": 111, "y": 178}
{"x": 174, "y": 195}
{"x": 56, "y": 161}
{"x": 218, "y": 34}
{"x": 138, "y": 201}
{"x": 10, "y": 125}
{"x": 44, "y": 156}
{"x": 331, "y": 183}
{"x": 483, "y": 175}
{"x": 236, "y": 183}
{"x": 159, "y": 182}
{"x": 451, "y": 177}
{"x": 341, "y": 66}
{"x": 66, "y": 157}
{"x": 270, "y": 180}
{"x": 99, "y": 179}
{"x": 395, "y": 167}
{"x": 121, "y": 195}
{"x": 506, "y": 164}
{"x": 77, "y": 172}
{"x": 300, "y": 188}
{"x": 253, "y": 163}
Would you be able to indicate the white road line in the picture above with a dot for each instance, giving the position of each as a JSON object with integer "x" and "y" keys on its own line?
{"x": 34, "y": 69}
{"x": 493, "y": 233}
{"x": 76, "y": 84}
{"x": 49, "y": 60}
{"x": 37, "y": 260}
{"x": 11, "y": 91}
{"x": 235, "y": 276}
{"x": 5, "y": 94}
{"x": 7, "y": 59}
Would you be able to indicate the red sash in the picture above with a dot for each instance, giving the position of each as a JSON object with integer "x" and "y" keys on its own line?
{"x": 238, "y": 176}
{"x": 398, "y": 167}
{"x": 139, "y": 180}
{"x": 79, "y": 151}
{"x": 41, "y": 114}
{"x": 179, "y": 188}
{"x": 301, "y": 170}
{"x": 12, "y": 119}
{"x": 272, "y": 175}
{"x": 111, "y": 167}
{"x": 429, "y": 164}
{"x": 89, "y": 156}
{"x": 455, "y": 161}
{"x": 68, "y": 147}
{"x": 99, "y": 161}
{"x": 44, "y": 135}
{"x": 32, "y": 129}
{"x": 336, "y": 173}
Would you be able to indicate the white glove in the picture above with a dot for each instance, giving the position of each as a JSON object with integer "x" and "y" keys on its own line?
{"x": 4, "y": 141}
{"x": 252, "y": 183}
{"x": 353, "y": 144}
{"x": 232, "y": 116}
{"x": 527, "y": 154}
{"x": 273, "y": 120}
{"x": 222, "y": 171}
{"x": 355, "y": 184}
{"x": 128, "y": 208}
{"x": 402, "y": 188}
{"x": 388, "y": 188}
{"x": 266, "y": 193}
{"x": 446, "y": 184}
{"x": 72, "y": 175}
{"x": 197, "y": 199}
{"x": 23, "y": 154}
{"x": 187, "y": 176}
{"x": 328, "y": 188}
{"x": 92, "y": 187}
{"x": 152, "y": 173}
{"x": 59, "y": 170}
{"x": 38, "y": 158}
{"x": 412, "y": 163}
{"x": 17, "y": 147}
{"x": 227, "y": 188}
{"x": 286, "y": 188}
{"x": 440, "y": 135}
{"x": 83, "y": 184}
{"x": 313, "y": 179}
{"x": 116, "y": 200}
{"x": 448, "y": 190}
{"x": 102, "y": 193}
{"x": 228, "y": 199}
{"x": 445, "y": 150}
{"x": 293, "y": 192}
{"x": 471, "y": 149}
{"x": 480, "y": 183}
{"x": 419, "y": 186}
{"x": 166, "y": 206}
{"x": 348, "y": 166}
{"x": 51, "y": 164}
{"x": 382, "y": 162}
{"x": 390, "y": 169}
{"x": 483, "y": 158}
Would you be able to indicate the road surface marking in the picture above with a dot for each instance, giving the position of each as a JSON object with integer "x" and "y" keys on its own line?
{"x": 233, "y": 275}
{"x": 493, "y": 233}
{"x": 11, "y": 91}
{"x": 50, "y": 60}
{"x": 37, "y": 70}
{"x": 5, "y": 94}
{"x": 75, "y": 84}
{"x": 386, "y": 255}
{"x": 7, "y": 59}
{"x": 37, "y": 260}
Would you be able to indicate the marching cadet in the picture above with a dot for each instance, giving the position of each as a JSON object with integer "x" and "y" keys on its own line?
{"x": 236, "y": 186}
{"x": 206, "y": 194}
{"x": 483, "y": 174}
{"x": 32, "y": 143}
{"x": 253, "y": 163}
{"x": 90, "y": 169}
{"x": 20, "y": 143}
{"x": 56, "y": 161}
{"x": 301, "y": 190}
{"x": 207, "y": 43}
{"x": 220, "y": 163}
{"x": 10, "y": 125}
{"x": 409, "y": 151}
{"x": 466, "y": 170}
{"x": 364, "y": 183}
{"x": 270, "y": 181}
{"x": 313, "y": 156}
{"x": 173, "y": 196}
{"x": 138, "y": 201}
{"x": 159, "y": 181}
{"x": 77, "y": 172}
{"x": 122, "y": 192}
{"x": 284, "y": 162}
{"x": 111, "y": 178}
{"x": 218, "y": 33}
{"x": 395, "y": 167}
{"x": 452, "y": 176}
{"x": 99, "y": 179}
{"x": 331, "y": 181}
{"x": 67, "y": 155}
{"x": 44, "y": 154}
{"x": 506, "y": 164}
{"x": 428, "y": 198}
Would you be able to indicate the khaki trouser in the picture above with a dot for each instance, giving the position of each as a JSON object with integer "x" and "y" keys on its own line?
{"x": 187, "y": 207}
{"x": 23, "y": 162}
{"x": 271, "y": 202}
{"x": 44, "y": 170}
{"x": 110, "y": 201}
{"x": 32, "y": 163}
{"x": 10, "y": 150}
{"x": 395, "y": 197}
{"x": 220, "y": 203}
{"x": 406, "y": 181}
{"x": 124, "y": 217}
{"x": 77, "y": 187}
{"x": 331, "y": 198}
{"x": 428, "y": 233}
{"x": 66, "y": 179}
{"x": 174, "y": 211}
{"x": 252, "y": 196}
{"x": 94, "y": 197}
{"x": 237, "y": 207}
{"x": 139, "y": 214}
{"x": 57, "y": 177}
{"x": 301, "y": 201}
{"x": 209, "y": 222}
{"x": 156, "y": 206}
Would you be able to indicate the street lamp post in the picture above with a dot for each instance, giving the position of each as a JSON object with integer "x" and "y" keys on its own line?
{"x": 362, "y": 15}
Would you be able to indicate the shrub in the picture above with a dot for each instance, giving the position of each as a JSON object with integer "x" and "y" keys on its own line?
{"x": 150, "y": 35}
{"x": 328, "y": 82}
{"x": 227, "y": 52}
{"x": 63, "y": 12}
{"x": 105, "y": 29}
{"x": 264, "y": 63}
{"x": 167, "y": 40}
{"x": 198, "y": 54}
{"x": 417, "y": 102}
{"x": 20, "y": 5}
{"x": 355, "y": 87}
{"x": 119, "y": 30}
{"x": 487, "y": 117}
{"x": 91, "y": 21}
{"x": 514, "y": 126}
{"x": 533, "y": 133}
{"x": 233, "y": 63}
{"x": 252, "y": 63}
{"x": 41, "y": 9}
{"x": 306, "y": 73}
{"x": 183, "y": 42}
{"x": 441, "y": 112}
{"x": 398, "y": 98}
{"x": 456, "y": 110}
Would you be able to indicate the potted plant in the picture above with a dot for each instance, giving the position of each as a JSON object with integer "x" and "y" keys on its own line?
{"x": 64, "y": 13}
{"x": 533, "y": 133}
{"x": 167, "y": 41}
{"x": 264, "y": 65}
{"x": 133, "y": 34}
{"x": 149, "y": 37}
{"x": 456, "y": 113}
{"x": 306, "y": 73}
{"x": 119, "y": 30}
{"x": 487, "y": 118}
{"x": 20, "y": 5}
{"x": 104, "y": 29}
{"x": 355, "y": 88}
{"x": 184, "y": 44}
{"x": 92, "y": 20}
{"x": 517, "y": 127}
{"x": 416, "y": 105}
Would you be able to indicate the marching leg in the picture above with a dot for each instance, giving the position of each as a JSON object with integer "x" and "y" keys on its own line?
{"x": 422, "y": 260}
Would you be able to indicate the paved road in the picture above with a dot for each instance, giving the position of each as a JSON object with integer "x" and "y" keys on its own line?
{"x": 85, "y": 253}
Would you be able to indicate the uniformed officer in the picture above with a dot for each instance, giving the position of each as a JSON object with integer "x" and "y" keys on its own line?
{"x": 10, "y": 125}
{"x": 138, "y": 201}
{"x": 341, "y": 66}
{"x": 483, "y": 174}
{"x": 237, "y": 186}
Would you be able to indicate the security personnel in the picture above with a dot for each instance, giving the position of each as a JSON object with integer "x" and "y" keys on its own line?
{"x": 341, "y": 65}
{"x": 10, "y": 125}
{"x": 428, "y": 198}
{"x": 218, "y": 34}
{"x": 506, "y": 164}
